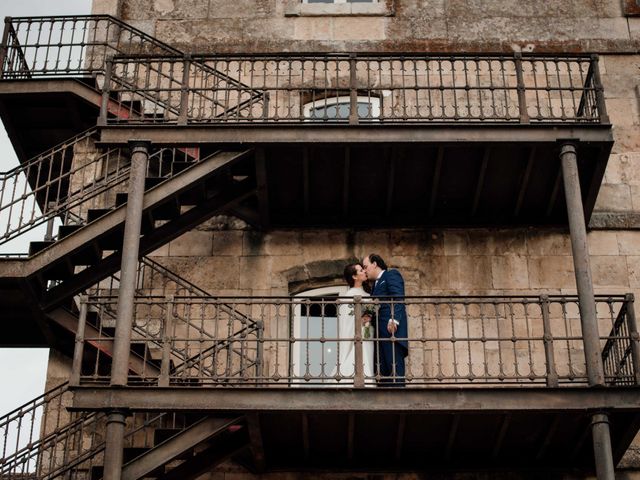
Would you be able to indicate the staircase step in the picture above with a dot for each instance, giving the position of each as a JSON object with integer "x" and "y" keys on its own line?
{"x": 87, "y": 255}
{"x": 121, "y": 198}
{"x": 35, "y": 247}
{"x": 177, "y": 167}
{"x": 59, "y": 271}
{"x": 166, "y": 211}
{"x": 66, "y": 230}
{"x": 95, "y": 213}
{"x": 129, "y": 453}
{"x": 151, "y": 182}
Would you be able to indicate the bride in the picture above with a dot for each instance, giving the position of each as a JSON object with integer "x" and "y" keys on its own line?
{"x": 355, "y": 276}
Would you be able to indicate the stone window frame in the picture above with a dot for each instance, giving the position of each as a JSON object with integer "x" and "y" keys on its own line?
{"x": 377, "y": 8}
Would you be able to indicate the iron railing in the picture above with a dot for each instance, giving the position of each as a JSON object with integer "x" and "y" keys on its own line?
{"x": 359, "y": 89}
{"x": 42, "y": 439}
{"x": 472, "y": 341}
{"x": 70, "y": 45}
{"x": 65, "y": 182}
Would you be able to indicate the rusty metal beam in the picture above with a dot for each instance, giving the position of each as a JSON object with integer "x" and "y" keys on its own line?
{"x": 437, "y": 170}
{"x": 391, "y": 179}
{"x": 480, "y": 184}
{"x": 525, "y": 181}
{"x": 256, "y": 443}
{"x": 553, "y": 198}
{"x": 551, "y": 431}
{"x": 453, "y": 432}
{"x": 345, "y": 182}
{"x": 262, "y": 188}
{"x": 499, "y": 400}
{"x": 400, "y": 436}
{"x": 305, "y": 435}
{"x": 504, "y": 426}
{"x": 366, "y": 134}
{"x": 351, "y": 428}
{"x": 305, "y": 180}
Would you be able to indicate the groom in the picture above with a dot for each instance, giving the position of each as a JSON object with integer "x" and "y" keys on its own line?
{"x": 391, "y": 324}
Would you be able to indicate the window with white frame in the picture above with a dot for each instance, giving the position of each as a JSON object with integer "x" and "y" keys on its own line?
{"x": 331, "y": 108}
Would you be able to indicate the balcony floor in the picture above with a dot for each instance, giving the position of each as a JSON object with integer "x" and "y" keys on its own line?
{"x": 410, "y": 429}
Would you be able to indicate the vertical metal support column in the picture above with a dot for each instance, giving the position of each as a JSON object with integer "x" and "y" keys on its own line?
{"x": 114, "y": 442}
{"x": 106, "y": 93}
{"x": 522, "y": 97}
{"x": 605, "y": 469}
{"x": 184, "y": 91}
{"x": 4, "y": 47}
{"x": 129, "y": 264}
{"x": 78, "y": 351}
{"x": 167, "y": 338}
{"x": 582, "y": 267}
{"x": 634, "y": 337}
{"x": 124, "y": 319}
{"x": 588, "y": 319}
{"x": 552, "y": 374}
{"x": 358, "y": 379}
{"x": 260, "y": 351}
{"x": 597, "y": 84}
{"x": 353, "y": 91}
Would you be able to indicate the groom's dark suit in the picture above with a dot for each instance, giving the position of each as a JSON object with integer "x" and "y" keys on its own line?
{"x": 390, "y": 354}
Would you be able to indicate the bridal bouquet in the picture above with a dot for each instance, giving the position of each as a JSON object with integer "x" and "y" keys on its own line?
{"x": 367, "y": 329}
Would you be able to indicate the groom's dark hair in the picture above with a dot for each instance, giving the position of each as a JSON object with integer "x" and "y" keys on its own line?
{"x": 377, "y": 259}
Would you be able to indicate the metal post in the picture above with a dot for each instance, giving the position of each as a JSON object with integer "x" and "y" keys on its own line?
{"x": 260, "y": 351}
{"x": 167, "y": 335}
{"x": 588, "y": 319}
{"x": 605, "y": 470}
{"x": 48, "y": 236}
{"x": 597, "y": 84}
{"x": 114, "y": 443}
{"x": 522, "y": 98}
{"x": 129, "y": 265}
{"x": 634, "y": 337}
{"x": 358, "y": 379}
{"x": 4, "y": 47}
{"x": 184, "y": 91}
{"x": 106, "y": 93}
{"x": 78, "y": 351}
{"x": 353, "y": 91}
{"x": 578, "y": 232}
{"x": 552, "y": 374}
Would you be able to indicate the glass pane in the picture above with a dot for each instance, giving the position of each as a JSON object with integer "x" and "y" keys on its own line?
{"x": 314, "y": 353}
{"x": 340, "y": 110}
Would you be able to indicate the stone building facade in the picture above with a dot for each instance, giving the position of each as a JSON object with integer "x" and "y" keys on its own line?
{"x": 226, "y": 256}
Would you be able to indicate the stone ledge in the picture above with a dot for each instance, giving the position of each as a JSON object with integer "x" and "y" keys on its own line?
{"x": 614, "y": 220}
{"x": 383, "y": 8}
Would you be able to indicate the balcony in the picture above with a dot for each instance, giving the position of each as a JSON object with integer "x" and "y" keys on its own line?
{"x": 454, "y": 140}
{"x": 503, "y": 378}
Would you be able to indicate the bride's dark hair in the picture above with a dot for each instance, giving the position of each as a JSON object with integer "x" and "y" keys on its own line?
{"x": 349, "y": 272}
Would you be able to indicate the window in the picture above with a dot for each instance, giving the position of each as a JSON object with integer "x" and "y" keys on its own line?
{"x": 339, "y": 108}
{"x": 310, "y": 357}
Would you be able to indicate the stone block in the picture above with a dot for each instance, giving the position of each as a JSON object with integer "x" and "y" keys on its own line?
{"x": 609, "y": 271}
{"x": 242, "y": 8}
{"x": 370, "y": 241}
{"x": 509, "y": 272}
{"x": 633, "y": 268}
{"x": 255, "y": 272}
{"x": 456, "y": 242}
{"x": 623, "y": 111}
{"x": 434, "y": 274}
{"x": 309, "y": 28}
{"x": 193, "y": 243}
{"x": 227, "y": 243}
{"x": 635, "y": 197}
{"x": 602, "y": 243}
{"x": 106, "y": 7}
{"x": 626, "y": 139}
{"x": 212, "y": 274}
{"x": 548, "y": 243}
{"x": 497, "y": 242}
{"x": 551, "y": 272}
{"x": 469, "y": 272}
{"x": 629, "y": 242}
{"x": 282, "y": 243}
{"x": 325, "y": 245}
{"x": 359, "y": 28}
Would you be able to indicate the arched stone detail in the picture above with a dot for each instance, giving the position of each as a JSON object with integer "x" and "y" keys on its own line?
{"x": 320, "y": 273}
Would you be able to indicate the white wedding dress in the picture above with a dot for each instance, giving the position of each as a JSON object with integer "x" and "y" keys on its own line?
{"x": 346, "y": 349}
